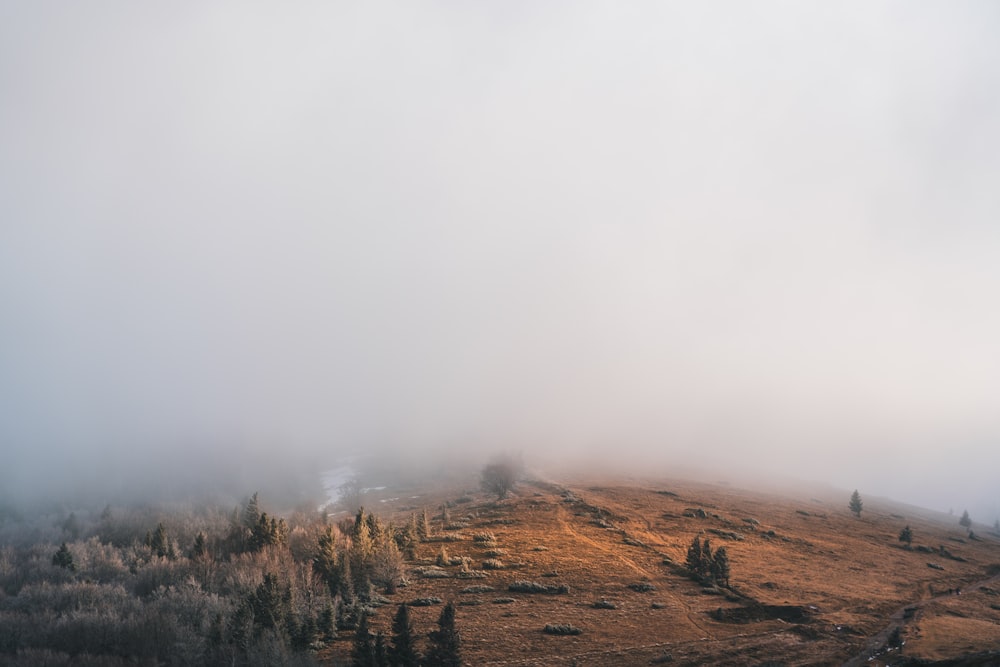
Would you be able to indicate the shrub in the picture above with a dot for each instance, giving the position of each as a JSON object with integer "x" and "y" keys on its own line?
{"x": 535, "y": 587}
{"x": 604, "y": 604}
{"x": 425, "y": 602}
{"x": 561, "y": 629}
{"x": 485, "y": 536}
{"x": 493, "y": 564}
{"x": 477, "y": 589}
{"x": 642, "y": 587}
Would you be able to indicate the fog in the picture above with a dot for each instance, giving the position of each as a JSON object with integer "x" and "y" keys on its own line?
{"x": 747, "y": 238}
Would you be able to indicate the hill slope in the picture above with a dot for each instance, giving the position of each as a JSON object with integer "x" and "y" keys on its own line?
{"x": 811, "y": 583}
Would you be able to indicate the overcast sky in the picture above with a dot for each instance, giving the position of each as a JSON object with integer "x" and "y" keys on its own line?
{"x": 758, "y": 235}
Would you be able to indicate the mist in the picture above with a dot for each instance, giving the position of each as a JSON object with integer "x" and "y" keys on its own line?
{"x": 235, "y": 238}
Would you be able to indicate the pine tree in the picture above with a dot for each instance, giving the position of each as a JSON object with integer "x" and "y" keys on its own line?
{"x": 325, "y": 559}
{"x": 381, "y": 657}
{"x": 965, "y": 521}
{"x": 160, "y": 542}
{"x": 424, "y": 527}
{"x": 363, "y": 654}
{"x": 705, "y": 567}
{"x": 855, "y": 505}
{"x": 720, "y": 566}
{"x": 345, "y": 579}
{"x": 403, "y": 652}
{"x": 387, "y": 565}
{"x": 445, "y": 641}
{"x": 361, "y": 540}
{"x": 251, "y": 513}
{"x": 271, "y": 604}
{"x": 906, "y": 535}
{"x": 410, "y": 537}
{"x": 694, "y": 556}
{"x": 200, "y": 551}
{"x": 64, "y": 559}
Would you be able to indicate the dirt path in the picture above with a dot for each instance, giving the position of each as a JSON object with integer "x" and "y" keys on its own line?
{"x": 877, "y": 644}
{"x": 692, "y": 616}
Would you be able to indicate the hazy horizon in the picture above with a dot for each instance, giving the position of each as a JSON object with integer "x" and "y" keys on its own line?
{"x": 761, "y": 238}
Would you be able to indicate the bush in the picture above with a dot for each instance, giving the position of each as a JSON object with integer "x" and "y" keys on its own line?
{"x": 642, "y": 587}
{"x": 535, "y": 587}
{"x": 561, "y": 629}
{"x": 425, "y": 602}
{"x": 493, "y": 564}
{"x": 477, "y": 589}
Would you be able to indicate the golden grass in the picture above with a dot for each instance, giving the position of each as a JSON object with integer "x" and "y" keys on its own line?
{"x": 849, "y": 575}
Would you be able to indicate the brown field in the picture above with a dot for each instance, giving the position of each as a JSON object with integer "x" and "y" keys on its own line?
{"x": 811, "y": 583}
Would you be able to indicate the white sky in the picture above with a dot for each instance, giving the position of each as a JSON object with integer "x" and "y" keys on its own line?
{"x": 752, "y": 234}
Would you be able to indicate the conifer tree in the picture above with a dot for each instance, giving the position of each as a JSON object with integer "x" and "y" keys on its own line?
{"x": 64, "y": 559}
{"x": 445, "y": 641}
{"x": 387, "y": 565}
{"x": 325, "y": 559}
{"x": 424, "y": 527}
{"x": 856, "y": 505}
{"x": 694, "y": 556}
{"x": 381, "y": 656}
{"x": 363, "y": 654}
{"x": 251, "y": 513}
{"x": 326, "y": 624}
{"x": 965, "y": 521}
{"x": 403, "y": 652}
{"x": 705, "y": 567}
{"x": 200, "y": 551}
{"x": 160, "y": 542}
{"x": 361, "y": 540}
{"x": 720, "y": 566}
{"x": 906, "y": 535}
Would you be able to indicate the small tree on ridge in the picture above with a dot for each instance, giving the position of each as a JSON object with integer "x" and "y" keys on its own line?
{"x": 855, "y": 505}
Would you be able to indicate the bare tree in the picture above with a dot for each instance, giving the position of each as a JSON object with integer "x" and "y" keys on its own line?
{"x": 501, "y": 476}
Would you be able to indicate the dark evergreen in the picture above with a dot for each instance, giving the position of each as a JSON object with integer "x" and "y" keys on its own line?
{"x": 906, "y": 535}
{"x": 694, "y": 556}
{"x": 64, "y": 559}
{"x": 403, "y": 652}
{"x": 720, "y": 566}
{"x": 160, "y": 542}
{"x": 705, "y": 567}
{"x": 363, "y": 654}
{"x": 381, "y": 657}
{"x": 445, "y": 641}
{"x": 856, "y": 505}
{"x": 965, "y": 521}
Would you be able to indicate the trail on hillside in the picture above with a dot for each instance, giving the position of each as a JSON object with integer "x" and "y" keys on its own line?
{"x": 877, "y": 644}
{"x": 568, "y": 528}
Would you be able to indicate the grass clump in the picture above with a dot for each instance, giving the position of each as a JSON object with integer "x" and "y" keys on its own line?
{"x": 424, "y": 602}
{"x": 485, "y": 536}
{"x": 535, "y": 587}
{"x": 477, "y": 589}
{"x": 561, "y": 629}
{"x": 642, "y": 587}
{"x": 493, "y": 564}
